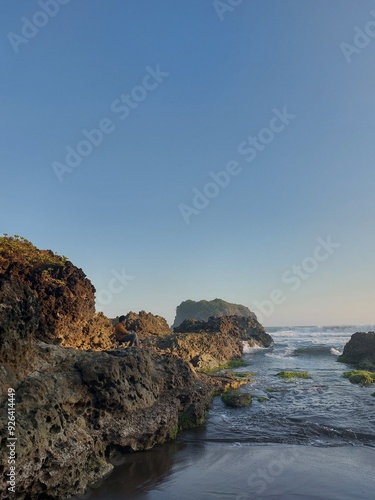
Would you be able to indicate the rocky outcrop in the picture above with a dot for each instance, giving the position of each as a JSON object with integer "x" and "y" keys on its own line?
{"x": 209, "y": 344}
{"x": 65, "y": 295}
{"x": 202, "y": 350}
{"x": 78, "y": 407}
{"x": 75, "y": 407}
{"x": 78, "y": 398}
{"x": 360, "y": 351}
{"x": 146, "y": 324}
{"x": 203, "y": 309}
{"x": 241, "y": 328}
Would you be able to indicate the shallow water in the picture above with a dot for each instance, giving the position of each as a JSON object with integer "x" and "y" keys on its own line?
{"x": 302, "y": 420}
{"x": 326, "y": 410}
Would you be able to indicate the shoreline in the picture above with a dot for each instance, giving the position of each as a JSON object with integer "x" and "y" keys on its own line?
{"x": 242, "y": 472}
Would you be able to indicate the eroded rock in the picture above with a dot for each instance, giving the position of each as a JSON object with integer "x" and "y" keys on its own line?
{"x": 360, "y": 351}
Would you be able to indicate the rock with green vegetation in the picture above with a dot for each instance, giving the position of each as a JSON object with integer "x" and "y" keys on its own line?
{"x": 360, "y": 377}
{"x": 235, "y": 363}
{"x": 236, "y": 398}
{"x": 373, "y": 394}
{"x": 243, "y": 374}
{"x": 65, "y": 295}
{"x": 232, "y": 363}
{"x": 290, "y": 375}
{"x": 201, "y": 310}
{"x": 270, "y": 389}
{"x": 262, "y": 399}
{"x": 360, "y": 351}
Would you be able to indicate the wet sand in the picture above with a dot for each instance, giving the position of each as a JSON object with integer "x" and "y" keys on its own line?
{"x": 231, "y": 472}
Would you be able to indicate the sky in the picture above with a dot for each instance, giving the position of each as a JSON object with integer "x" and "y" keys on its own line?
{"x": 194, "y": 150}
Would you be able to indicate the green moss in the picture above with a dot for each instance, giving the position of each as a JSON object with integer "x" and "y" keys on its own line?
{"x": 236, "y": 399}
{"x": 243, "y": 374}
{"x": 270, "y": 389}
{"x": 360, "y": 377}
{"x": 233, "y": 363}
{"x": 261, "y": 400}
{"x": 289, "y": 375}
{"x": 188, "y": 421}
{"x": 173, "y": 433}
{"x": 373, "y": 394}
{"x": 236, "y": 363}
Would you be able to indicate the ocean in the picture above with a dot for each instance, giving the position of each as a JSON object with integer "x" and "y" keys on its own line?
{"x": 300, "y": 438}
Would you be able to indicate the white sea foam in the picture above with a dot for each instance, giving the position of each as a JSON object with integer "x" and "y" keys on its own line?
{"x": 316, "y": 330}
{"x": 247, "y": 348}
{"x": 335, "y": 352}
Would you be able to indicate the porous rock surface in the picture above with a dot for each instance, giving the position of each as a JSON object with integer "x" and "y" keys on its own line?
{"x": 77, "y": 405}
{"x": 208, "y": 344}
{"x": 80, "y": 399}
{"x": 74, "y": 408}
{"x": 146, "y": 324}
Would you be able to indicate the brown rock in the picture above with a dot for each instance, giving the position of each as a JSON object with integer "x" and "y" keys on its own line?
{"x": 77, "y": 407}
{"x": 146, "y": 324}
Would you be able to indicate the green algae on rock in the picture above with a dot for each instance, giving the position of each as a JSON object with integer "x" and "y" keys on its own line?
{"x": 236, "y": 398}
{"x": 360, "y": 377}
{"x": 289, "y": 375}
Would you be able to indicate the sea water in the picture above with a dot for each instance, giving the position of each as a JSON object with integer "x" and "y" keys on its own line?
{"x": 321, "y": 428}
{"x": 326, "y": 410}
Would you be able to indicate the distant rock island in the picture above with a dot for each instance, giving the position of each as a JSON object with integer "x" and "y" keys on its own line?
{"x": 203, "y": 309}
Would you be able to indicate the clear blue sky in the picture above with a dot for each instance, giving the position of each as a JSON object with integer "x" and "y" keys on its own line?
{"x": 224, "y": 72}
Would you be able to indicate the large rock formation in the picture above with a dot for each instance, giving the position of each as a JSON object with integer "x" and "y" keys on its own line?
{"x": 146, "y": 324}
{"x": 360, "y": 351}
{"x": 203, "y": 309}
{"x": 242, "y": 328}
{"x": 209, "y": 344}
{"x": 57, "y": 284}
{"x": 79, "y": 398}
{"x": 75, "y": 407}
